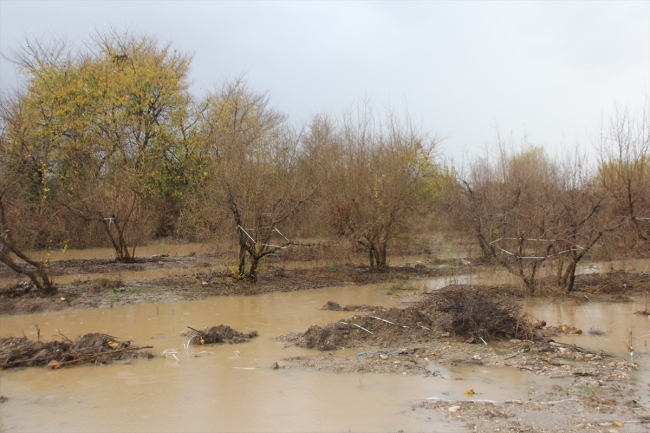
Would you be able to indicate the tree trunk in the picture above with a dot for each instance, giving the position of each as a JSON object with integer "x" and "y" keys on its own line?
{"x": 569, "y": 277}
{"x": 381, "y": 256}
{"x": 371, "y": 255}
{"x": 242, "y": 261}
{"x": 255, "y": 259}
{"x": 44, "y": 285}
{"x": 119, "y": 243}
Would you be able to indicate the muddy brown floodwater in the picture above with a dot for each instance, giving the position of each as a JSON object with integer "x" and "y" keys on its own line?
{"x": 235, "y": 388}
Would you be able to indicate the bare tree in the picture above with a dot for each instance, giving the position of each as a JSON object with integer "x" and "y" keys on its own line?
{"x": 624, "y": 171}
{"x": 527, "y": 210}
{"x": 10, "y": 250}
{"x": 374, "y": 169}
{"x": 584, "y": 216}
{"x": 510, "y": 202}
{"x": 255, "y": 176}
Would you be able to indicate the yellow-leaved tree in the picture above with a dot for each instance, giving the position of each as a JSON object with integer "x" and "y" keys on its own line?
{"x": 257, "y": 178}
{"x": 110, "y": 129}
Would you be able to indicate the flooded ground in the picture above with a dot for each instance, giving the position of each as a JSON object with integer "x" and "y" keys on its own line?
{"x": 234, "y": 388}
{"x": 611, "y": 325}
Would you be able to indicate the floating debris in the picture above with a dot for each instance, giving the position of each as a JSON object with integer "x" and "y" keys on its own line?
{"x": 94, "y": 347}
{"x": 218, "y": 334}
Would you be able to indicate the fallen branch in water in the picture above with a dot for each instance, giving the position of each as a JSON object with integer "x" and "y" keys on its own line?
{"x": 23, "y": 352}
{"x": 86, "y": 358}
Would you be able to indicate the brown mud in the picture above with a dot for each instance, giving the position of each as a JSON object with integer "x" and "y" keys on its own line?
{"x": 109, "y": 291}
{"x": 458, "y": 311}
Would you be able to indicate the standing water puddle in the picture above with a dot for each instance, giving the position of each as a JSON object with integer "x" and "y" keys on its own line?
{"x": 233, "y": 389}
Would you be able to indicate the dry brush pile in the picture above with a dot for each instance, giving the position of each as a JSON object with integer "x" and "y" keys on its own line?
{"x": 218, "y": 334}
{"x": 461, "y": 311}
{"x": 93, "y": 347}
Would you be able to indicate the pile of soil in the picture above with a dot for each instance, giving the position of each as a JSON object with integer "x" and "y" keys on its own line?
{"x": 460, "y": 311}
{"x": 218, "y": 334}
{"x": 95, "y": 347}
{"x": 335, "y": 306}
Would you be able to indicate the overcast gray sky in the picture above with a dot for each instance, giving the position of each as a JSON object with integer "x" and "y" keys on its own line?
{"x": 546, "y": 69}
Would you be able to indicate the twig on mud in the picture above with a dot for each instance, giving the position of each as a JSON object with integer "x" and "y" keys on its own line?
{"x": 360, "y": 327}
{"x": 568, "y": 346}
{"x": 384, "y": 320}
{"x": 170, "y": 352}
{"x": 186, "y": 346}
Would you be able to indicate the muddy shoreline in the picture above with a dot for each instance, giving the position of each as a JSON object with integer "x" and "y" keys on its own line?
{"x": 212, "y": 279}
{"x": 591, "y": 391}
{"x": 110, "y": 291}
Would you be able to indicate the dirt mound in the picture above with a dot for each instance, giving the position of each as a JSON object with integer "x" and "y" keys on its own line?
{"x": 472, "y": 314}
{"x": 461, "y": 311}
{"x": 335, "y": 306}
{"x": 218, "y": 334}
{"x": 392, "y": 327}
{"x": 23, "y": 352}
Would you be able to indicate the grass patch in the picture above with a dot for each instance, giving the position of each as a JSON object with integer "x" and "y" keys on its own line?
{"x": 332, "y": 266}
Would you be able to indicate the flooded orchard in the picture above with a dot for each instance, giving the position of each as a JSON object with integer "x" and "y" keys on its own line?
{"x": 234, "y": 387}
{"x": 229, "y": 388}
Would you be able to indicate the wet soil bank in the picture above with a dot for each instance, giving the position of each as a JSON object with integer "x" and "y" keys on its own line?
{"x": 108, "y": 292}
{"x": 212, "y": 279}
{"x": 592, "y": 390}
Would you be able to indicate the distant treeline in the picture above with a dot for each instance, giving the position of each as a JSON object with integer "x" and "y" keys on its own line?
{"x": 106, "y": 146}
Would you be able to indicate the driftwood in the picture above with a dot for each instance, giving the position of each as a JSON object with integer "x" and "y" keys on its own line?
{"x": 86, "y": 358}
{"x": 23, "y": 352}
{"x": 218, "y": 334}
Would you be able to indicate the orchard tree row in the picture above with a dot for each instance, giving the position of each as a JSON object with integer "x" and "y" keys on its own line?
{"x": 106, "y": 145}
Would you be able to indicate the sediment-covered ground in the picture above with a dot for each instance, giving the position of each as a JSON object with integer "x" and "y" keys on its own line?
{"x": 592, "y": 392}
